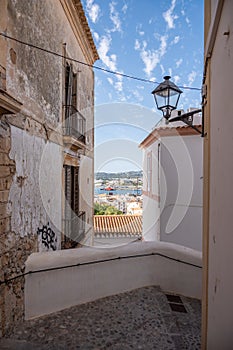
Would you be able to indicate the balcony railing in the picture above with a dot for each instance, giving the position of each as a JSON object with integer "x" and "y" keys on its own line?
{"x": 75, "y": 124}
{"x": 74, "y": 228}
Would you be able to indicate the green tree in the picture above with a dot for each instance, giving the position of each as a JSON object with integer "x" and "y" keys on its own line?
{"x": 105, "y": 209}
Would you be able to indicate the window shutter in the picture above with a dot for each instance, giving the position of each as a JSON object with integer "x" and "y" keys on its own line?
{"x": 76, "y": 190}
{"x": 68, "y": 86}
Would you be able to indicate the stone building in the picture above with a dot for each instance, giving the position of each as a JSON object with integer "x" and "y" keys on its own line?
{"x": 46, "y": 137}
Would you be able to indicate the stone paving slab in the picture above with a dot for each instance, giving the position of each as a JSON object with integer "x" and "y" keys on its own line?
{"x": 140, "y": 319}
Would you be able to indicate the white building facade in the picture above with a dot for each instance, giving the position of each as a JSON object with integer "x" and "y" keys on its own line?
{"x": 172, "y": 192}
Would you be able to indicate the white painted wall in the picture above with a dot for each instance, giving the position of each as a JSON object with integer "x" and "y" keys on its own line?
{"x": 151, "y": 205}
{"x": 100, "y": 242}
{"x": 151, "y": 221}
{"x": 178, "y": 181}
{"x": 181, "y": 190}
{"x": 220, "y": 246}
{"x": 35, "y": 194}
{"x": 50, "y": 291}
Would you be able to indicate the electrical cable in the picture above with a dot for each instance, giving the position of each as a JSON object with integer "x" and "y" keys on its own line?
{"x": 6, "y": 281}
{"x": 89, "y": 65}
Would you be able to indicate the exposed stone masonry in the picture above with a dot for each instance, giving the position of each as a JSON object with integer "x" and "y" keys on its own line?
{"x": 14, "y": 249}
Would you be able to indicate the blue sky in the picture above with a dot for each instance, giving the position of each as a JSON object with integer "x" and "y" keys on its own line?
{"x": 146, "y": 39}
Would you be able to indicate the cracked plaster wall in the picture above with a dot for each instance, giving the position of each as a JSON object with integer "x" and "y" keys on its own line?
{"x": 30, "y": 155}
{"x": 35, "y": 194}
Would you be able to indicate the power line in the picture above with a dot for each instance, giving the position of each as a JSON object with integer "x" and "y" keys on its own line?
{"x": 89, "y": 65}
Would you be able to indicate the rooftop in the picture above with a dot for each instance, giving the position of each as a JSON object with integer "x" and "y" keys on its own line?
{"x": 118, "y": 224}
{"x": 146, "y": 318}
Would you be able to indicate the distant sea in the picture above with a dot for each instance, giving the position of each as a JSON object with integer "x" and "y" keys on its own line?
{"x": 125, "y": 191}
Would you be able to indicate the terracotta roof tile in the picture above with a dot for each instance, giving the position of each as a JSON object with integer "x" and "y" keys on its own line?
{"x": 118, "y": 224}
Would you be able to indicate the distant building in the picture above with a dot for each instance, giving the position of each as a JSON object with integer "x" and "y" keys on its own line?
{"x": 172, "y": 185}
{"x": 134, "y": 208}
{"x": 121, "y": 204}
{"x": 115, "y": 230}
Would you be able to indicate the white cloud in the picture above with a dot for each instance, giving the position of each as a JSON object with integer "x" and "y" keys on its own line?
{"x": 114, "y": 16}
{"x": 163, "y": 45}
{"x": 187, "y": 20}
{"x": 192, "y": 77}
{"x": 96, "y": 36}
{"x": 176, "y": 39}
{"x": 110, "y": 61}
{"x": 119, "y": 86}
{"x": 98, "y": 82}
{"x": 178, "y": 62}
{"x": 151, "y": 58}
{"x": 162, "y": 69}
{"x": 124, "y": 8}
{"x": 110, "y": 81}
{"x": 140, "y": 87}
{"x": 176, "y": 79}
{"x": 138, "y": 96}
{"x": 139, "y": 29}
{"x": 104, "y": 46}
{"x": 137, "y": 45}
{"x": 93, "y": 10}
{"x": 169, "y": 17}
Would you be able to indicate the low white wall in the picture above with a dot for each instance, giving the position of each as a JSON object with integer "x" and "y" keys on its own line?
{"x": 60, "y": 288}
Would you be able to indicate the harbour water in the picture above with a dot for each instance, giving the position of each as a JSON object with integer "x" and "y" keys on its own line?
{"x": 125, "y": 191}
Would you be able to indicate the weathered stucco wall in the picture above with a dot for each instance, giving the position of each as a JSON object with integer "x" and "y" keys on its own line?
{"x": 35, "y": 193}
{"x": 14, "y": 248}
{"x": 31, "y": 154}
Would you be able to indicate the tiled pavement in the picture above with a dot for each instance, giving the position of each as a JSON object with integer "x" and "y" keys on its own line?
{"x": 140, "y": 319}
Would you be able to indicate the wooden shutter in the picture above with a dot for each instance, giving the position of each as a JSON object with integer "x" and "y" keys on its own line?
{"x": 74, "y": 91}
{"x": 68, "y": 87}
{"x": 76, "y": 190}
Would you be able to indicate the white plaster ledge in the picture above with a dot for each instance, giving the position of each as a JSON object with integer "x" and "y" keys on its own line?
{"x": 54, "y": 290}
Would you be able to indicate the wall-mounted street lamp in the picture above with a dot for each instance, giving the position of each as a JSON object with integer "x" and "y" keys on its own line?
{"x": 166, "y": 96}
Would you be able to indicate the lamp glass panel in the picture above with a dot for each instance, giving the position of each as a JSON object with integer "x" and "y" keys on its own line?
{"x": 173, "y": 99}
{"x": 161, "y": 100}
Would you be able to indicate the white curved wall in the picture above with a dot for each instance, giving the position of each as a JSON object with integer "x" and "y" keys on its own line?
{"x": 57, "y": 289}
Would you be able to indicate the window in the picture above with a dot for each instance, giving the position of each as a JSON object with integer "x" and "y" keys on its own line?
{"x": 70, "y": 90}
{"x": 149, "y": 172}
{"x": 75, "y": 123}
{"x": 74, "y": 219}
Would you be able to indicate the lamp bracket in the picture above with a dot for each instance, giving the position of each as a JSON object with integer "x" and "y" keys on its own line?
{"x": 187, "y": 118}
